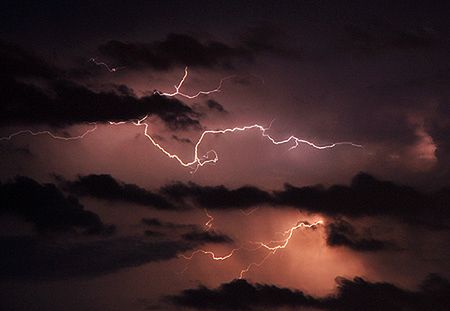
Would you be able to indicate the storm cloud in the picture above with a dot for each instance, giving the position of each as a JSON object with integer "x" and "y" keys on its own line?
{"x": 34, "y": 92}
{"x": 31, "y": 258}
{"x": 47, "y": 208}
{"x": 105, "y": 187}
{"x": 356, "y": 294}
{"x": 365, "y": 196}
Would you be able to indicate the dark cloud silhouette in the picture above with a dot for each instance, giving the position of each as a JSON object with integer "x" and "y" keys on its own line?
{"x": 154, "y": 234}
{"x": 379, "y": 37}
{"x": 9, "y": 148}
{"x": 240, "y": 295}
{"x": 366, "y": 196}
{"x": 73, "y": 103}
{"x": 207, "y": 237}
{"x": 186, "y": 50}
{"x": 191, "y": 233}
{"x": 218, "y": 197}
{"x": 176, "y": 49}
{"x": 351, "y": 295}
{"x": 156, "y": 223}
{"x": 30, "y": 258}
{"x": 47, "y": 208}
{"x": 342, "y": 233}
{"x": 181, "y": 139}
{"x": 35, "y": 93}
{"x": 266, "y": 38}
{"x": 105, "y": 187}
{"x": 213, "y": 105}
{"x": 16, "y": 61}
{"x": 439, "y": 128}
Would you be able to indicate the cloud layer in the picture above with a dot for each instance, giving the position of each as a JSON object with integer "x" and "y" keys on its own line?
{"x": 351, "y": 295}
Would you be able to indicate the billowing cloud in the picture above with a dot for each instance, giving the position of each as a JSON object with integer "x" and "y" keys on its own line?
{"x": 35, "y": 93}
{"x": 366, "y": 196}
{"x": 377, "y": 37}
{"x": 31, "y": 258}
{"x": 176, "y": 49}
{"x": 214, "y": 105}
{"x": 356, "y": 294}
{"x": 218, "y": 197}
{"x": 156, "y": 223}
{"x": 207, "y": 237}
{"x": 188, "y": 232}
{"x": 47, "y": 208}
{"x": 342, "y": 233}
{"x": 186, "y": 50}
{"x": 105, "y": 187}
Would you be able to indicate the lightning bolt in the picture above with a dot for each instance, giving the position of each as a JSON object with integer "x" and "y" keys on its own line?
{"x": 271, "y": 246}
{"x": 110, "y": 69}
{"x": 209, "y": 157}
{"x": 183, "y": 79}
{"x": 212, "y": 157}
{"x": 208, "y": 224}
{"x": 211, "y": 254}
{"x": 249, "y": 212}
{"x": 54, "y": 136}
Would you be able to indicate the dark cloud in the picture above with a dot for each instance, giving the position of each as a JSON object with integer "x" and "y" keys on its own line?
{"x": 366, "y": 196}
{"x": 188, "y": 232}
{"x": 9, "y": 148}
{"x": 351, "y": 295}
{"x": 35, "y": 93}
{"x": 73, "y": 103}
{"x": 47, "y": 208}
{"x": 379, "y": 37}
{"x": 240, "y": 295}
{"x": 181, "y": 139}
{"x": 213, "y": 105}
{"x": 342, "y": 233}
{"x": 154, "y": 234}
{"x": 176, "y": 49}
{"x": 16, "y": 61}
{"x": 207, "y": 237}
{"x": 28, "y": 258}
{"x": 105, "y": 187}
{"x": 156, "y": 223}
{"x": 186, "y": 50}
{"x": 439, "y": 129}
{"x": 218, "y": 197}
{"x": 267, "y": 38}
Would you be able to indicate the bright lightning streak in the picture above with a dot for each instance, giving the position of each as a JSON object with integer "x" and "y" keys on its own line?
{"x": 110, "y": 69}
{"x": 249, "y": 212}
{"x": 180, "y": 84}
{"x": 208, "y": 224}
{"x": 211, "y": 254}
{"x": 30, "y": 132}
{"x": 279, "y": 244}
{"x": 209, "y": 157}
{"x": 198, "y": 161}
{"x": 255, "y": 264}
{"x": 284, "y": 243}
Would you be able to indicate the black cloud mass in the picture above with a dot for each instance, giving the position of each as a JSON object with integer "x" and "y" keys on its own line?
{"x": 47, "y": 208}
{"x": 107, "y": 188}
{"x": 351, "y": 295}
{"x": 34, "y": 92}
{"x": 366, "y": 196}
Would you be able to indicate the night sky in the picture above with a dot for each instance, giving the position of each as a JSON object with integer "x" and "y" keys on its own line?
{"x": 224, "y": 155}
